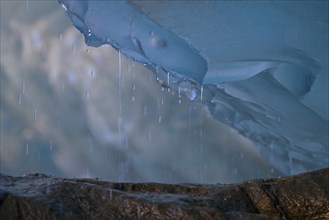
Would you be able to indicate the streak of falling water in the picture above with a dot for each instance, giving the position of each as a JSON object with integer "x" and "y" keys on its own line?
{"x": 120, "y": 97}
{"x": 27, "y": 4}
{"x": 35, "y": 112}
{"x": 201, "y": 119}
{"x": 27, "y": 149}
{"x": 19, "y": 98}
{"x": 133, "y": 96}
{"x": 87, "y": 94}
{"x": 179, "y": 95}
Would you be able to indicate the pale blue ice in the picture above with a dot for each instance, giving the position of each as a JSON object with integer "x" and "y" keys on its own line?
{"x": 263, "y": 65}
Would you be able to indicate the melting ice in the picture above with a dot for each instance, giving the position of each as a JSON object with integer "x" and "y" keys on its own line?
{"x": 262, "y": 66}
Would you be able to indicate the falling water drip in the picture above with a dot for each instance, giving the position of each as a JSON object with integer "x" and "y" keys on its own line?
{"x": 19, "y": 98}
{"x": 87, "y": 94}
{"x": 27, "y": 149}
{"x": 92, "y": 73}
{"x": 60, "y": 36}
{"x": 64, "y": 7}
{"x": 159, "y": 120}
{"x": 201, "y": 119}
{"x": 179, "y": 95}
{"x": 120, "y": 97}
{"x": 190, "y": 125}
{"x": 134, "y": 89}
{"x": 168, "y": 79}
{"x": 27, "y": 4}
{"x": 35, "y": 114}
{"x": 201, "y": 94}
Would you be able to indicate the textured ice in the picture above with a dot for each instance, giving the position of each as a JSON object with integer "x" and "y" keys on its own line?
{"x": 262, "y": 66}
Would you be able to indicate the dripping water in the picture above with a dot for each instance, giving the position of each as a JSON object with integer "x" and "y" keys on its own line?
{"x": 120, "y": 98}
{"x": 201, "y": 119}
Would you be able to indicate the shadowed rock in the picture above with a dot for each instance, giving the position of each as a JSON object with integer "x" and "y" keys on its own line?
{"x": 38, "y": 196}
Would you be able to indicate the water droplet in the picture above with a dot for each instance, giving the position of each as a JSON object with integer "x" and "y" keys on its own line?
{"x": 64, "y": 7}
{"x": 159, "y": 120}
{"x": 168, "y": 79}
{"x": 191, "y": 94}
{"x": 89, "y": 33}
{"x": 60, "y": 36}
{"x": 179, "y": 101}
{"x": 162, "y": 89}
{"x": 87, "y": 94}
{"x": 133, "y": 98}
{"x": 92, "y": 73}
{"x": 87, "y": 50}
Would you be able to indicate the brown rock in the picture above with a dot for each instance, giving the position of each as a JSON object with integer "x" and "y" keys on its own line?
{"x": 37, "y": 196}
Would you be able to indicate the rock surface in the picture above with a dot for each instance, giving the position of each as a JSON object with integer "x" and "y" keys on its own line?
{"x": 38, "y": 196}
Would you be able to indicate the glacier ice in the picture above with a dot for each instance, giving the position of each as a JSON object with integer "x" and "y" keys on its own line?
{"x": 260, "y": 67}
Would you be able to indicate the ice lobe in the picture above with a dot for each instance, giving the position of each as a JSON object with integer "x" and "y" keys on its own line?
{"x": 123, "y": 26}
{"x": 260, "y": 67}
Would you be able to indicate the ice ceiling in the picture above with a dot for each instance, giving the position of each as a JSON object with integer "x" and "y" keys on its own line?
{"x": 260, "y": 67}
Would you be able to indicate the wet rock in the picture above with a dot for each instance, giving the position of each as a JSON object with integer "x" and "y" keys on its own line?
{"x": 38, "y": 196}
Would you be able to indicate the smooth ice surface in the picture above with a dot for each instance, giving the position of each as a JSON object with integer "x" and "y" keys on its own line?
{"x": 263, "y": 66}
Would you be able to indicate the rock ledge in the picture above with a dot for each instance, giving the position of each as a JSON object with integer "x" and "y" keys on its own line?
{"x": 39, "y": 196}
